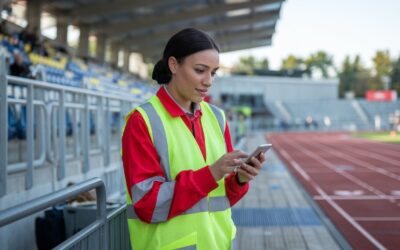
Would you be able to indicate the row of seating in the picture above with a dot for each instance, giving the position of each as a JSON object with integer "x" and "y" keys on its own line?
{"x": 17, "y": 123}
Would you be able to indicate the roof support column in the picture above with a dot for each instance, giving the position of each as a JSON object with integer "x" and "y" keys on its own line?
{"x": 62, "y": 30}
{"x": 101, "y": 47}
{"x": 83, "y": 47}
{"x": 127, "y": 55}
{"x": 114, "y": 54}
{"x": 33, "y": 13}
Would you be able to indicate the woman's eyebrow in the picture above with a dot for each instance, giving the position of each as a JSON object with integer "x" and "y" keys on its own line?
{"x": 206, "y": 66}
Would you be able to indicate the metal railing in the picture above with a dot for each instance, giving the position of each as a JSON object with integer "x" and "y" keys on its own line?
{"x": 52, "y": 101}
{"x": 96, "y": 230}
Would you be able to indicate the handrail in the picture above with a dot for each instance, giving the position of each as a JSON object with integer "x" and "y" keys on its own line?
{"x": 41, "y": 84}
{"x": 20, "y": 211}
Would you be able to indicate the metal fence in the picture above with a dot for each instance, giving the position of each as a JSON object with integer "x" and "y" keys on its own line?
{"x": 46, "y": 108}
{"x": 94, "y": 236}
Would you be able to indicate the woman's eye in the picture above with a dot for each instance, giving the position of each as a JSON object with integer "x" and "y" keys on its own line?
{"x": 199, "y": 70}
{"x": 213, "y": 73}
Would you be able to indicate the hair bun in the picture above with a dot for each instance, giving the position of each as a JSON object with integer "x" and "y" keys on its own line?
{"x": 161, "y": 72}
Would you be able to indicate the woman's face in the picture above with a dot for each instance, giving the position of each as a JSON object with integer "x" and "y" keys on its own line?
{"x": 193, "y": 77}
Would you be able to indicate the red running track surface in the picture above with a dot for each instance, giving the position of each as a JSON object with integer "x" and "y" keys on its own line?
{"x": 355, "y": 181}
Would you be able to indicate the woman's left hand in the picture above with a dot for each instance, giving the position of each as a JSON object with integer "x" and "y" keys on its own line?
{"x": 247, "y": 171}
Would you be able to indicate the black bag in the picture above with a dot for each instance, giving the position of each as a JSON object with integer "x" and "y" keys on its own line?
{"x": 50, "y": 230}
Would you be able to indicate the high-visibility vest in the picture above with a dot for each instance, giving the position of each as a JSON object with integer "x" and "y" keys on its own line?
{"x": 208, "y": 224}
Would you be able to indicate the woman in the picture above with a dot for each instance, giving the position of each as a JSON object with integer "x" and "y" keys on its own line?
{"x": 181, "y": 171}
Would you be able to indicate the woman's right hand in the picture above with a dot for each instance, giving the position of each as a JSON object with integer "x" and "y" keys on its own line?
{"x": 227, "y": 164}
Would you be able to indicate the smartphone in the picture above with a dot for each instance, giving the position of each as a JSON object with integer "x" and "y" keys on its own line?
{"x": 260, "y": 149}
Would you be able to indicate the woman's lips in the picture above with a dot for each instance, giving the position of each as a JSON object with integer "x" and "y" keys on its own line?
{"x": 202, "y": 92}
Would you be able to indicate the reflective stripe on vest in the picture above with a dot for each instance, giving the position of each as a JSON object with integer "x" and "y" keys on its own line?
{"x": 159, "y": 137}
{"x": 212, "y": 204}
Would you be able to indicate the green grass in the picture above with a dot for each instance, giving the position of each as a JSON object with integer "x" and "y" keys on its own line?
{"x": 380, "y": 136}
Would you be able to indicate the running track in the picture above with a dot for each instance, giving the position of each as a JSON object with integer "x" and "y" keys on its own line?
{"x": 355, "y": 181}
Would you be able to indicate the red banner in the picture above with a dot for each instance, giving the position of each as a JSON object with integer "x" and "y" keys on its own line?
{"x": 381, "y": 95}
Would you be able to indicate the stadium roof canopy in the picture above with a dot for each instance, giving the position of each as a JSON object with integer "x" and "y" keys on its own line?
{"x": 144, "y": 26}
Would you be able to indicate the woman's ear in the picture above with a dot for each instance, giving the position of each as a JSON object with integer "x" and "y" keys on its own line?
{"x": 172, "y": 64}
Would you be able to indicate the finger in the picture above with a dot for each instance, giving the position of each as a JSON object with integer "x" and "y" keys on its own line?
{"x": 245, "y": 174}
{"x": 239, "y": 154}
{"x": 249, "y": 169}
{"x": 234, "y": 162}
{"x": 261, "y": 157}
{"x": 255, "y": 163}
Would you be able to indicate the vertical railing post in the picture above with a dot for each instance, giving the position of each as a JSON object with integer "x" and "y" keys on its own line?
{"x": 101, "y": 214}
{"x": 86, "y": 134}
{"x": 29, "y": 137}
{"x": 61, "y": 134}
{"x": 106, "y": 131}
{"x": 3, "y": 127}
{"x": 75, "y": 129}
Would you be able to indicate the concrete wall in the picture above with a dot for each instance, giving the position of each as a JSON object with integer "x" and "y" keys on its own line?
{"x": 276, "y": 88}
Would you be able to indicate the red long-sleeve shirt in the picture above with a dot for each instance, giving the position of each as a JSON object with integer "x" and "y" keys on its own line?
{"x": 141, "y": 162}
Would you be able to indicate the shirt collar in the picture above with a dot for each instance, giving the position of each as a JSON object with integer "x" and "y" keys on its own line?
{"x": 173, "y": 107}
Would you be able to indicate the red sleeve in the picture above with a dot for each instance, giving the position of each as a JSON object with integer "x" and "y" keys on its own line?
{"x": 234, "y": 190}
{"x": 142, "y": 164}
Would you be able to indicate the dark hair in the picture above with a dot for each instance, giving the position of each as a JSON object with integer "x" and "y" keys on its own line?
{"x": 181, "y": 45}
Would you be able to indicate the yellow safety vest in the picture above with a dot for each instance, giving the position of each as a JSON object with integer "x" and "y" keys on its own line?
{"x": 208, "y": 224}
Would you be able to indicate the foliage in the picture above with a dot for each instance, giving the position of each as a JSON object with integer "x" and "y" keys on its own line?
{"x": 353, "y": 76}
{"x": 248, "y": 64}
{"x": 382, "y": 63}
{"x": 292, "y": 63}
{"x": 319, "y": 62}
{"x": 395, "y": 75}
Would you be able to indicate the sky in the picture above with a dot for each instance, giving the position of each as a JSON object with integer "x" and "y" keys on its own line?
{"x": 339, "y": 27}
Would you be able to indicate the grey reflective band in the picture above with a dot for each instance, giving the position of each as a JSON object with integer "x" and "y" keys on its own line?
{"x": 220, "y": 118}
{"x": 219, "y": 203}
{"x": 200, "y": 206}
{"x": 159, "y": 137}
{"x": 141, "y": 188}
{"x": 130, "y": 212}
{"x": 192, "y": 247}
{"x": 213, "y": 204}
{"x": 163, "y": 204}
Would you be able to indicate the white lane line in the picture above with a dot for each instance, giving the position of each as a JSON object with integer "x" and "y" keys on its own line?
{"x": 345, "y": 215}
{"x": 329, "y": 165}
{"x": 385, "y": 148}
{"x": 362, "y": 197}
{"x": 377, "y": 218}
{"x": 295, "y": 165}
{"x": 370, "y": 154}
{"x": 335, "y": 152}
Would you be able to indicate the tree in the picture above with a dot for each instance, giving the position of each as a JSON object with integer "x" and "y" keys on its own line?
{"x": 382, "y": 63}
{"x": 292, "y": 63}
{"x": 354, "y": 77}
{"x": 319, "y": 62}
{"x": 395, "y": 76}
{"x": 248, "y": 64}
{"x": 382, "y": 69}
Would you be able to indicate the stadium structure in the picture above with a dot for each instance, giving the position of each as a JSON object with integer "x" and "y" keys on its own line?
{"x": 61, "y": 122}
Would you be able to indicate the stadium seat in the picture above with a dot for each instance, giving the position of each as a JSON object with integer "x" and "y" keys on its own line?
{"x": 12, "y": 122}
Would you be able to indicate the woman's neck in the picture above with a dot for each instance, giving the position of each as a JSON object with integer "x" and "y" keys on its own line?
{"x": 187, "y": 106}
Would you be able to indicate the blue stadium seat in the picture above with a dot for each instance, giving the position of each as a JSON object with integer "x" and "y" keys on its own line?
{"x": 21, "y": 128}
{"x": 12, "y": 122}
